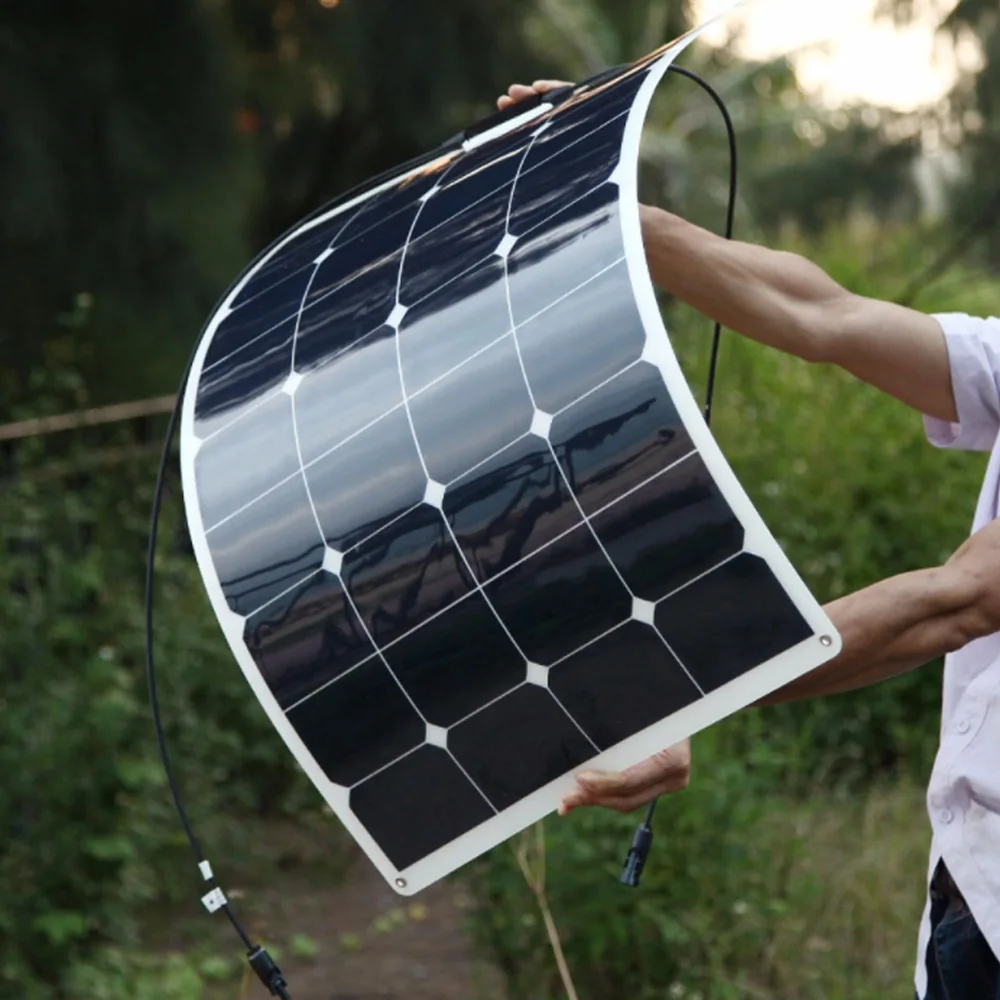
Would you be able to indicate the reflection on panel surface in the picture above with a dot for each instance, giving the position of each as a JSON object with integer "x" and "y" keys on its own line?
{"x": 305, "y": 638}
{"x": 510, "y": 506}
{"x": 358, "y": 724}
{"x": 470, "y": 538}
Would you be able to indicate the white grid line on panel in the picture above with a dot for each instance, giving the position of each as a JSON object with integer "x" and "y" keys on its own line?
{"x": 700, "y": 576}
{"x": 250, "y": 503}
{"x": 488, "y": 459}
{"x": 383, "y": 527}
{"x": 314, "y": 264}
{"x": 562, "y": 208}
{"x": 489, "y": 704}
{"x": 351, "y": 437}
{"x": 458, "y": 277}
{"x": 451, "y": 371}
{"x": 333, "y": 680}
{"x": 385, "y": 767}
{"x": 563, "y": 298}
{"x": 570, "y": 145}
{"x": 599, "y": 386}
{"x": 645, "y": 482}
{"x": 589, "y": 643}
{"x": 307, "y": 465}
{"x": 277, "y": 597}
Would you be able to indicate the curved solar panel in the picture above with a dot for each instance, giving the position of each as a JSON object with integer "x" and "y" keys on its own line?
{"x": 455, "y": 506}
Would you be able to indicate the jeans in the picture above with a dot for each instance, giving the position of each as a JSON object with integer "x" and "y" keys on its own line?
{"x": 960, "y": 964}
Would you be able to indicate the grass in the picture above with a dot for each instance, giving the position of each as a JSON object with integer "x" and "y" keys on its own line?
{"x": 791, "y": 900}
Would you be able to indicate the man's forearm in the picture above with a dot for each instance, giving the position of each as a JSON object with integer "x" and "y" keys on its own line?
{"x": 889, "y": 629}
{"x": 773, "y": 297}
{"x": 786, "y": 302}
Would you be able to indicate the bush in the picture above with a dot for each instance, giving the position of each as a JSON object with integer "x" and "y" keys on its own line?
{"x": 89, "y": 836}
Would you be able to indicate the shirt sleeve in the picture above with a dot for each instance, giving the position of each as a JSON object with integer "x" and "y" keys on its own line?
{"x": 974, "y": 357}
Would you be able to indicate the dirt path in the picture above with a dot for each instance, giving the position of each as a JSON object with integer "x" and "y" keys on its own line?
{"x": 371, "y": 944}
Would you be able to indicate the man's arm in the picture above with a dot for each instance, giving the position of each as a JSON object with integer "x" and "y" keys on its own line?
{"x": 887, "y": 629}
{"x": 784, "y": 301}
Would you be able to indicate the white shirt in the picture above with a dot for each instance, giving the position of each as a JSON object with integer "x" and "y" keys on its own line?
{"x": 963, "y": 798}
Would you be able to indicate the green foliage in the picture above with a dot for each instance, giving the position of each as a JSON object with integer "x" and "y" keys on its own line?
{"x": 746, "y": 894}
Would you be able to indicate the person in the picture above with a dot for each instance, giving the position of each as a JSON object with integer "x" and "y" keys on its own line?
{"x": 947, "y": 368}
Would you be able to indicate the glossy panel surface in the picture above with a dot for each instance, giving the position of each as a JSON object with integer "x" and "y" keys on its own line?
{"x": 306, "y": 638}
{"x": 370, "y": 480}
{"x": 518, "y": 744}
{"x": 345, "y": 395}
{"x": 472, "y": 413}
{"x": 622, "y": 683}
{"x": 267, "y": 547}
{"x": 229, "y": 470}
{"x": 730, "y": 620}
{"x": 509, "y": 507}
{"x": 564, "y": 596}
{"x": 459, "y": 664}
{"x": 669, "y": 530}
{"x": 419, "y": 804}
{"x": 406, "y": 573}
{"x": 453, "y": 323}
{"x": 358, "y": 724}
{"x": 615, "y": 438}
{"x": 584, "y": 339}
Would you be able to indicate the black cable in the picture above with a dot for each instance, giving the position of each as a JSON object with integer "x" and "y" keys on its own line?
{"x": 730, "y": 218}
{"x": 260, "y": 961}
{"x": 642, "y": 840}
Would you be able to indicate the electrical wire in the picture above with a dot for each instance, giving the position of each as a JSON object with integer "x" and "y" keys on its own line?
{"x": 642, "y": 840}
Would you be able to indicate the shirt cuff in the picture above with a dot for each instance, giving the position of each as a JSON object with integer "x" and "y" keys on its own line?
{"x": 973, "y": 382}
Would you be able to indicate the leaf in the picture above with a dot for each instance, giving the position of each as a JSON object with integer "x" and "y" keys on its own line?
{"x": 302, "y": 946}
{"x": 61, "y": 926}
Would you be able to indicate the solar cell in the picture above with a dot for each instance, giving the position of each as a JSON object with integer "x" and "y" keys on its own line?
{"x": 455, "y": 506}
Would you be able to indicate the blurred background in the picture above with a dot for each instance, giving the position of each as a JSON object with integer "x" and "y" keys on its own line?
{"x": 147, "y": 152}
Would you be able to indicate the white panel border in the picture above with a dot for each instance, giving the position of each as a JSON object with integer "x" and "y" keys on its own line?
{"x": 707, "y": 711}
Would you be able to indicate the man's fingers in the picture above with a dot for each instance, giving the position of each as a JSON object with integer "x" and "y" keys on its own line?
{"x": 519, "y": 91}
{"x": 619, "y": 803}
{"x": 667, "y": 765}
{"x": 544, "y": 86}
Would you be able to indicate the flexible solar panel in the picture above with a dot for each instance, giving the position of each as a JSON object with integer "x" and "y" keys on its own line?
{"x": 455, "y": 506}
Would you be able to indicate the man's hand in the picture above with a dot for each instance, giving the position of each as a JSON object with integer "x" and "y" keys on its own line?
{"x": 518, "y": 91}
{"x": 667, "y": 771}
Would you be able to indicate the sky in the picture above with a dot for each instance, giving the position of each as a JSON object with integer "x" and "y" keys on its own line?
{"x": 872, "y": 62}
